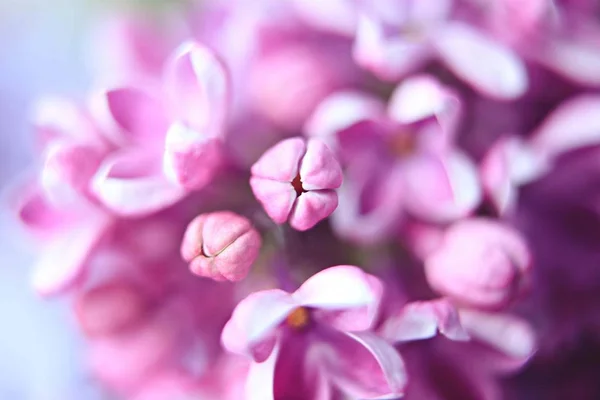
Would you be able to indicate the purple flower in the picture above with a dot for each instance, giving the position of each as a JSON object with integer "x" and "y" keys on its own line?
{"x": 173, "y": 141}
{"x": 296, "y": 180}
{"x": 315, "y": 341}
{"x": 399, "y": 159}
{"x": 58, "y": 206}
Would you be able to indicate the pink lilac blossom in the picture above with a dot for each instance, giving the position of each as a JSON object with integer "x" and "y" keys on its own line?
{"x": 442, "y": 155}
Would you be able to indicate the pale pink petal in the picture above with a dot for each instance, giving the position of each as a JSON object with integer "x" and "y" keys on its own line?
{"x": 39, "y": 215}
{"x": 573, "y": 124}
{"x": 58, "y": 118}
{"x": 126, "y": 184}
{"x": 140, "y": 116}
{"x": 577, "y": 60}
{"x": 421, "y": 97}
{"x": 319, "y": 167}
{"x": 487, "y": 65}
{"x": 506, "y": 333}
{"x": 190, "y": 159}
{"x": 261, "y": 378}
{"x": 428, "y": 198}
{"x": 312, "y": 207}
{"x": 340, "y": 111}
{"x": 252, "y": 329}
{"x": 422, "y": 320}
{"x": 365, "y": 366}
{"x": 388, "y": 58}
{"x": 509, "y": 163}
{"x": 277, "y": 198}
{"x": 282, "y": 161}
{"x": 62, "y": 261}
{"x": 197, "y": 85}
{"x": 68, "y": 169}
{"x": 344, "y": 296}
{"x": 496, "y": 179}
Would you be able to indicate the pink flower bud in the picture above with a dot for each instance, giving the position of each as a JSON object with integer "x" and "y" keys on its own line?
{"x": 296, "y": 180}
{"x": 480, "y": 263}
{"x": 109, "y": 308}
{"x": 221, "y": 245}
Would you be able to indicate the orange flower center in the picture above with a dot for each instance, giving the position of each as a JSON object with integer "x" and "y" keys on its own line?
{"x": 403, "y": 144}
{"x": 298, "y": 318}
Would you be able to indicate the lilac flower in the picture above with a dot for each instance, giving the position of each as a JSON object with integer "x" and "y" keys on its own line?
{"x": 221, "y": 245}
{"x": 314, "y": 342}
{"x": 399, "y": 159}
{"x": 174, "y": 141}
{"x": 296, "y": 180}
{"x": 58, "y": 205}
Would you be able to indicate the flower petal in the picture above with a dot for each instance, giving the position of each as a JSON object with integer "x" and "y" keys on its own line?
{"x": 282, "y": 161}
{"x": 127, "y": 185}
{"x": 506, "y": 333}
{"x": 487, "y": 65}
{"x": 340, "y": 111}
{"x": 422, "y": 320}
{"x": 388, "y": 58}
{"x": 191, "y": 159}
{"x": 62, "y": 262}
{"x": 261, "y": 377}
{"x": 431, "y": 201}
{"x": 312, "y": 207}
{"x": 343, "y": 288}
{"x": 577, "y": 60}
{"x": 572, "y": 125}
{"x": 277, "y": 198}
{"x": 365, "y": 366}
{"x": 140, "y": 116}
{"x": 509, "y": 163}
{"x": 421, "y": 97}
{"x": 197, "y": 85}
{"x": 38, "y": 214}
{"x": 58, "y": 118}
{"x": 320, "y": 168}
{"x": 252, "y": 327}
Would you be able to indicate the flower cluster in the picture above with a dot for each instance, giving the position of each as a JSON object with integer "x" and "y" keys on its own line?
{"x": 341, "y": 199}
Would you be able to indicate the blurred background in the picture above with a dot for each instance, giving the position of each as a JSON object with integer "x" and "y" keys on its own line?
{"x": 43, "y": 51}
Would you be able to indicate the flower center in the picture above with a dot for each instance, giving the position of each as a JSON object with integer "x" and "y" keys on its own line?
{"x": 298, "y": 318}
{"x": 297, "y": 185}
{"x": 403, "y": 144}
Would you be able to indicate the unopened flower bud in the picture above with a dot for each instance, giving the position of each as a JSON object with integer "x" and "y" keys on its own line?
{"x": 296, "y": 180}
{"x": 480, "y": 263}
{"x": 110, "y": 308}
{"x": 221, "y": 245}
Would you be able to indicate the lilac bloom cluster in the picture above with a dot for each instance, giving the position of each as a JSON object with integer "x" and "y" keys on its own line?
{"x": 340, "y": 199}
